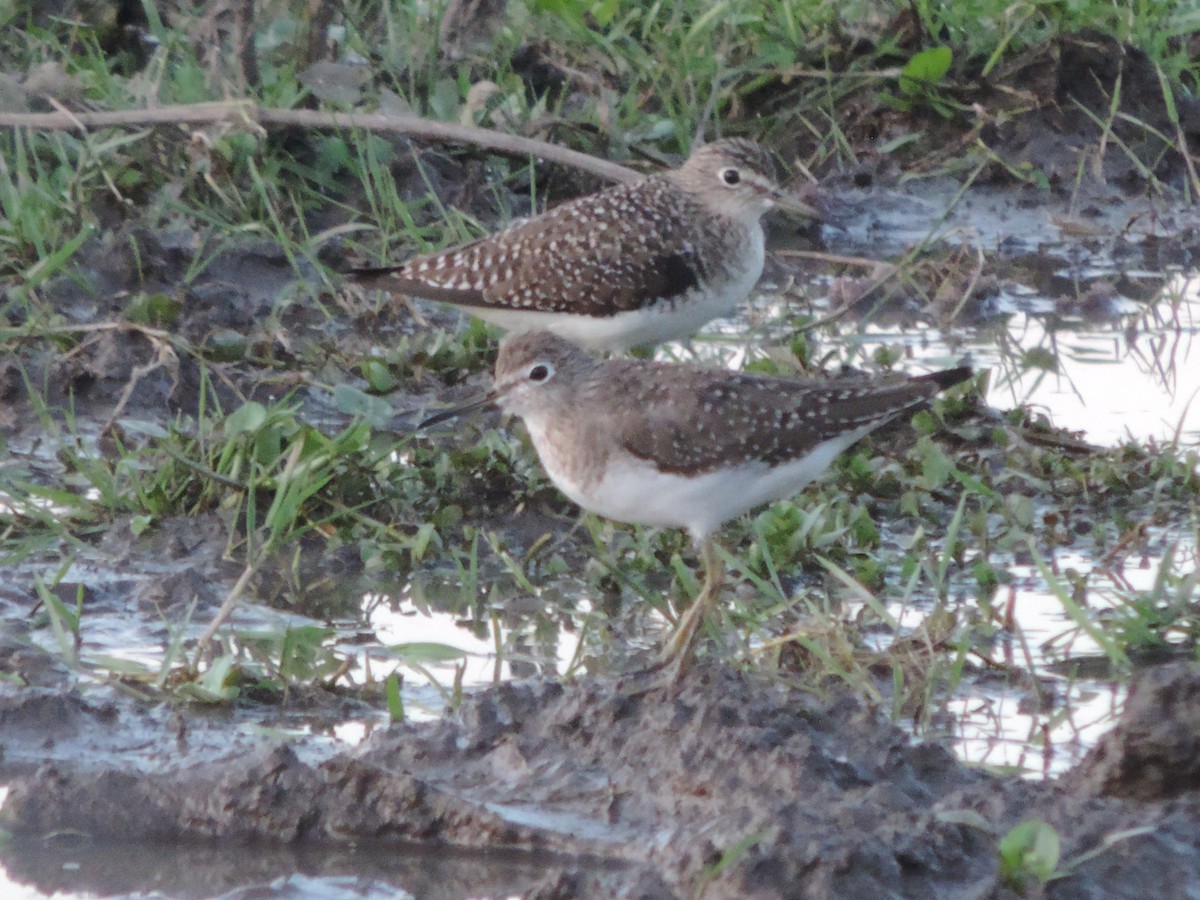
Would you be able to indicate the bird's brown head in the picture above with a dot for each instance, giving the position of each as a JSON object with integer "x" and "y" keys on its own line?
{"x": 535, "y": 373}
{"x": 535, "y": 368}
{"x": 737, "y": 178}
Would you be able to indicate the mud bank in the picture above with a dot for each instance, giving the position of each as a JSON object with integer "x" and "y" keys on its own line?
{"x": 734, "y": 785}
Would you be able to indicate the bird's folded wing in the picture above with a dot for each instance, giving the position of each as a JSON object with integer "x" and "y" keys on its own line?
{"x": 727, "y": 421}
{"x": 594, "y": 256}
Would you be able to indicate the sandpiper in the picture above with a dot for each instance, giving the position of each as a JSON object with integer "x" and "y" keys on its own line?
{"x": 635, "y": 264}
{"x": 685, "y": 446}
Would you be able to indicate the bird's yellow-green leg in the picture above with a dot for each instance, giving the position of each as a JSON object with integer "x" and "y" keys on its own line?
{"x": 681, "y": 645}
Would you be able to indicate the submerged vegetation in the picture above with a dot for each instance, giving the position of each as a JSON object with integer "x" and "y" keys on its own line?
{"x": 184, "y": 379}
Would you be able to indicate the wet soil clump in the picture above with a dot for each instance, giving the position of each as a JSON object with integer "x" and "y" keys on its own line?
{"x": 731, "y": 783}
{"x": 1155, "y": 754}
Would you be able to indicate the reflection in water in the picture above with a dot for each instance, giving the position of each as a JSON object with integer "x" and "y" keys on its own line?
{"x": 1136, "y": 382}
{"x": 73, "y": 867}
{"x": 1133, "y": 376}
{"x": 1005, "y": 729}
{"x": 512, "y": 635}
{"x": 1100, "y": 332}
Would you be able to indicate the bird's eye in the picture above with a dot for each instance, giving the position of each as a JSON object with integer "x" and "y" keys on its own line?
{"x": 731, "y": 176}
{"x": 540, "y": 373}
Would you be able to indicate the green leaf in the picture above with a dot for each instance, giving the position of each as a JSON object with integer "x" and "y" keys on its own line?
{"x": 225, "y": 345}
{"x": 1021, "y": 509}
{"x": 63, "y": 621}
{"x": 420, "y": 543}
{"x": 985, "y": 575}
{"x": 605, "y": 11}
{"x": 1031, "y": 848}
{"x": 923, "y": 422}
{"x": 126, "y": 668}
{"x": 377, "y": 374}
{"x": 936, "y": 466}
{"x": 568, "y": 9}
{"x": 353, "y": 402}
{"x": 422, "y": 652}
{"x": 247, "y": 418}
{"x": 395, "y": 702}
{"x": 217, "y": 685}
{"x": 866, "y": 533}
{"x": 925, "y": 70}
{"x": 303, "y": 656}
{"x": 154, "y": 309}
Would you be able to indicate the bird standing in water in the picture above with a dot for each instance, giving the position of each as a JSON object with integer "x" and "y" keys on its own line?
{"x": 685, "y": 446}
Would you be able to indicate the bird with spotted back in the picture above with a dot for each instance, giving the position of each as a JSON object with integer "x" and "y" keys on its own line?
{"x": 635, "y": 264}
{"x": 685, "y": 446}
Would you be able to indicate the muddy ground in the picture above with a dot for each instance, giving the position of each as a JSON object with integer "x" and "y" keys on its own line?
{"x": 731, "y": 784}
{"x": 734, "y": 786}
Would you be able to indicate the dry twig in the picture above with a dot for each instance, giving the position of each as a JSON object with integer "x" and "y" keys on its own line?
{"x": 247, "y": 111}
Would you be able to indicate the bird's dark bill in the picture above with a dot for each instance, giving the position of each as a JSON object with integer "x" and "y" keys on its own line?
{"x": 456, "y": 411}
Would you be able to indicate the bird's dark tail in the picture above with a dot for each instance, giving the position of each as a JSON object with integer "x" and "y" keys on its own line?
{"x": 368, "y": 272}
{"x": 949, "y": 377}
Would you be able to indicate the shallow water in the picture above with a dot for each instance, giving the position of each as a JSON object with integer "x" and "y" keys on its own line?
{"x": 64, "y": 867}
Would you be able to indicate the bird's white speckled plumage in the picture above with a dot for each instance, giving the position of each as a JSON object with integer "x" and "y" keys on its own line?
{"x": 686, "y": 446}
{"x": 637, "y": 263}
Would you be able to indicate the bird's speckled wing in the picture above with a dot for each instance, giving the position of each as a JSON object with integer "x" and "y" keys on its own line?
{"x": 701, "y": 424}
{"x": 598, "y": 255}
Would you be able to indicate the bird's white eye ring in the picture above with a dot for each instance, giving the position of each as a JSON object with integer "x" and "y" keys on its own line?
{"x": 540, "y": 372}
{"x": 731, "y": 176}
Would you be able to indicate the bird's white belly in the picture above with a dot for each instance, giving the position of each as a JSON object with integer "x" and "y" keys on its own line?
{"x": 634, "y": 491}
